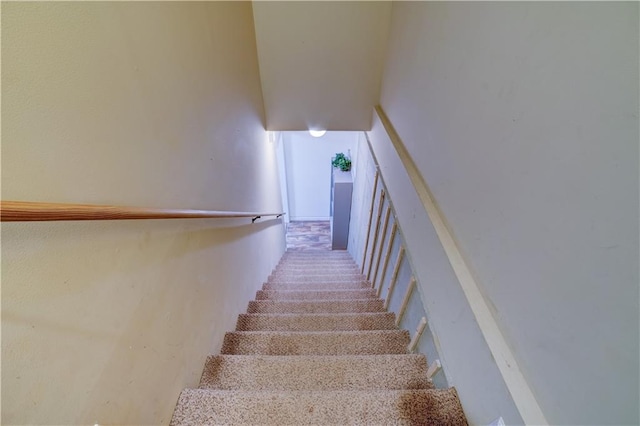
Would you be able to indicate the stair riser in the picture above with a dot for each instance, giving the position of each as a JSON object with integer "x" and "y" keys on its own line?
{"x": 317, "y": 255}
{"x": 312, "y": 263}
{"x": 323, "y": 266}
{"x": 317, "y": 279}
{"x": 323, "y": 274}
{"x": 336, "y": 343}
{"x": 332, "y": 253}
{"x": 316, "y": 322}
{"x": 288, "y": 286}
{"x": 312, "y": 258}
{"x": 317, "y": 259}
{"x": 309, "y": 258}
{"x": 313, "y": 307}
{"x": 236, "y": 372}
{"x": 315, "y": 275}
{"x": 328, "y": 270}
{"x": 316, "y": 295}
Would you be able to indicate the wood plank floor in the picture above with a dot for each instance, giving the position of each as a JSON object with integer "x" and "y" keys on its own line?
{"x": 309, "y": 235}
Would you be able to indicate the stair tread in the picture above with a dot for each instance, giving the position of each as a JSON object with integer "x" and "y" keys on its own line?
{"x": 316, "y": 257}
{"x": 317, "y": 322}
{"x": 259, "y": 372}
{"x": 315, "y": 286}
{"x": 333, "y": 294}
{"x": 315, "y": 266}
{"x": 314, "y": 277}
{"x": 318, "y": 267}
{"x": 317, "y": 279}
{"x": 315, "y": 306}
{"x": 316, "y": 273}
{"x": 311, "y": 260}
{"x": 400, "y": 407}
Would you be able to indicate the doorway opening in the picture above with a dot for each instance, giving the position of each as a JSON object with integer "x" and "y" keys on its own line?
{"x": 316, "y": 195}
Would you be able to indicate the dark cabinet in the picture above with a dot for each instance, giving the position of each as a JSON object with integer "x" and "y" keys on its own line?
{"x": 340, "y": 207}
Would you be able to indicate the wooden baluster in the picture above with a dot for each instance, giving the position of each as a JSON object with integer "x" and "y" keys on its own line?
{"x": 366, "y": 241}
{"x": 394, "y": 278}
{"x": 375, "y": 234}
{"x": 387, "y": 256}
{"x": 405, "y": 301}
{"x": 384, "y": 235}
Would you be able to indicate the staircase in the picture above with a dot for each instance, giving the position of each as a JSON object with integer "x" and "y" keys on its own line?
{"x": 317, "y": 347}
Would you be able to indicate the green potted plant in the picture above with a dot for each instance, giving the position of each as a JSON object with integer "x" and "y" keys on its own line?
{"x": 341, "y": 162}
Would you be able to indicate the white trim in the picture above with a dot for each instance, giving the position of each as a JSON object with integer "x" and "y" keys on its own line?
{"x": 308, "y": 218}
{"x": 521, "y": 393}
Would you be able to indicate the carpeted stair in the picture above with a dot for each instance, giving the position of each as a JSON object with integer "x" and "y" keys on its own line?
{"x": 316, "y": 347}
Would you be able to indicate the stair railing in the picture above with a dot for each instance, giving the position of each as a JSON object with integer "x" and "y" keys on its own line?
{"x": 27, "y": 211}
{"x": 380, "y": 251}
{"x": 515, "y": 381}
{"x": 373, "y": 199}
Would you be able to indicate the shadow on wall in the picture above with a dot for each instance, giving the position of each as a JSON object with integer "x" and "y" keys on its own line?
{"x": 118, "y": 309}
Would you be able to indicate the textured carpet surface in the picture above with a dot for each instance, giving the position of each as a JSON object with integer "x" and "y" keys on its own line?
{"x": 316, "y": 265}
{"x": 339, "y": 267}
{"x": 400, "y": 407}
{"x": 315, "y": 278}
{"x": 344, "y": 372}
{"x": 344, "y": 275}
{"x": 298, "y": 264}
{"x": 316, "y": 342}
{"x": 314, "y": 306}
{"x": 365, "y": 293}
{"x": 316, "y": 348}
{"x": 323, "y": 285}
{"x": 316, "y": 322}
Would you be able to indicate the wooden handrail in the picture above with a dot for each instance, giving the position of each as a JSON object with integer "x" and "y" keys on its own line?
{"x": 27, "y": 211}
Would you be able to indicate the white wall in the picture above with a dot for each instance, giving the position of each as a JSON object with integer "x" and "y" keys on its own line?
{"x": 321, "y": 62}
{"x": 308, "y": 168}
{"x": 523, "y": 119}
{"x": 145, "y": 104}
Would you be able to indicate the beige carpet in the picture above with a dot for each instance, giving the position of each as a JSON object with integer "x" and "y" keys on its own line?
{"x": 316, "y": 348}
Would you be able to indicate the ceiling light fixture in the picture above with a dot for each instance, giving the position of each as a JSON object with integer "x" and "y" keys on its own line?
{"x": 317, "y": 133}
